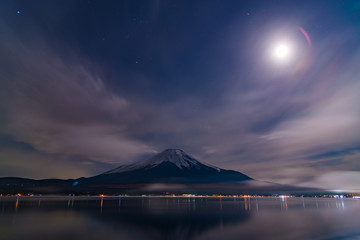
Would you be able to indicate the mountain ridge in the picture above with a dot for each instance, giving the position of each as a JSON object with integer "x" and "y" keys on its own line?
{"x": 169, "y": 166}
{"x": 172, "y": 155}
{"x": 169, "y": 171}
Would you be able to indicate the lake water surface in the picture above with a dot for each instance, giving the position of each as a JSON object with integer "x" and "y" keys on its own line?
{"x": 144, "y": 218}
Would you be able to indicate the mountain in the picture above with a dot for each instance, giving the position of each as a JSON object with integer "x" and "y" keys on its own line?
{"x": 171, "y": 171}
{"x": 176, "y": 157}
{"x": 169, "y": 166}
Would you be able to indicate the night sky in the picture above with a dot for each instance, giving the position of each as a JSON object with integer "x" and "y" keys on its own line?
{"x": 89, "y": 85}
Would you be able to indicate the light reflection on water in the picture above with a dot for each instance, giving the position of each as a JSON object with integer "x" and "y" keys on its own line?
{"x": 178, "y": 218}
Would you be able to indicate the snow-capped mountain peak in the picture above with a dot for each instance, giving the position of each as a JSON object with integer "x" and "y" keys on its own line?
{"x": 175, "y": 156}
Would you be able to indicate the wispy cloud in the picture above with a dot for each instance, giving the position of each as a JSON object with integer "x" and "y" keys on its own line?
{"x": 59, "y": 104}
{"x": 265, "y": 122}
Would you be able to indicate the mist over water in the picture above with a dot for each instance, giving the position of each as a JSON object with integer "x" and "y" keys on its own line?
{"x": 178, "y": 218}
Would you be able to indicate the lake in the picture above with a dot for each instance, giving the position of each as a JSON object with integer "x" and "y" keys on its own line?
{"x": 178, "y": 218}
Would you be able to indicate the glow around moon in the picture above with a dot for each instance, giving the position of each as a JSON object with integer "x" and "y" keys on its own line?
{"x": 281, "y": 51}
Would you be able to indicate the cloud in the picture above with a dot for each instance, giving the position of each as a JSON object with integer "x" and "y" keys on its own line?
{"x": 264, "y": 122}
{"x": 336, "y": 181}
{"x": 15, "y": 163}
{"x": 58, "y": 103}
{"x": 331, "y": 124}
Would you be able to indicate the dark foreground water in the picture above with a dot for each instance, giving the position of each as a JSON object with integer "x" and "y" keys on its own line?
{"x": 178, "y": 218}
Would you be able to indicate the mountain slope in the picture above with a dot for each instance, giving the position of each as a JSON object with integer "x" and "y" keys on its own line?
{"x": 174, "y": 156}
{"x": 169, "y": 171}
{"x": 169, "y": 166}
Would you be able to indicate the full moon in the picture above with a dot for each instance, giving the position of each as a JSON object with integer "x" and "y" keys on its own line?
{"x": 281, "y": 51}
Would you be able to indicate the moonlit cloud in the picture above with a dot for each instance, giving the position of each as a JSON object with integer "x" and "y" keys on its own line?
{"x": 85, "y": 105}
{"x": 59, "y": 106}
{"x": 340, "y": 181}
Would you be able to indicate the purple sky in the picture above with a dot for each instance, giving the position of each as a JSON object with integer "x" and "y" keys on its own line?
{"x": 96, "y": 85}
